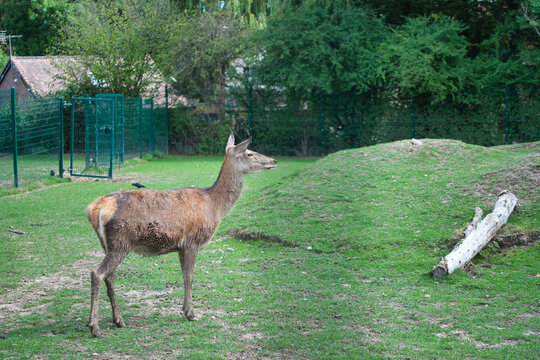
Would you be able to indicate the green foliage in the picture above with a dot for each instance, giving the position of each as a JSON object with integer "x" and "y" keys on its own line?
{"x": 3, "y": 58}
{"x": 38, "y": 21}
{"x": 426, "y": 57}
{"x": 319, "y": 51}
{"x": 510, "y": 55}
{"x": 117, "y": 46}
{"x": 531, "y": 14}
{"x": 194, "y": 132}
{"x": 250, "y": 13}
{"x": 201, "y": 51}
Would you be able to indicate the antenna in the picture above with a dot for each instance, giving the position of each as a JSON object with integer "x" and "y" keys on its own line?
{"x": 4, "y": 39}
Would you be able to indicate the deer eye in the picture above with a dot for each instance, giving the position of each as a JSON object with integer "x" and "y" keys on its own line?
{"x": 250, "y": 154}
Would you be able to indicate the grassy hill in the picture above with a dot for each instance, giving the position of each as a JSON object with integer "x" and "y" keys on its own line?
{"x": 393, "y": 195}
{"x": 320, "y": 259}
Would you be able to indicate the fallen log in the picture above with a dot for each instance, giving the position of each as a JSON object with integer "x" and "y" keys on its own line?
{"x": 478, "y": 213}
{"x": 477, "y": 235}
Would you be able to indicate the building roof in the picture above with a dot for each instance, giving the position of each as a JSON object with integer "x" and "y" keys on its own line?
{"x": 40, "y": 75}
{"x": 37, "y": 73}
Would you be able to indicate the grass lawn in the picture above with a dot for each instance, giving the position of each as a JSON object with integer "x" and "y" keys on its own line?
{"x": 320, "y": 259}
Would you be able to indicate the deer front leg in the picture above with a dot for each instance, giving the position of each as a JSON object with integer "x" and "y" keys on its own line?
{"x": 187, "y": 261}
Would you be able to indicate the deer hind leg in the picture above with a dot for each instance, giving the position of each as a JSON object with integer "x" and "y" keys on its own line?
{"x": 187, "y": 261}
{"x": 103, "y": 271}
{"x": 117, "y": 319}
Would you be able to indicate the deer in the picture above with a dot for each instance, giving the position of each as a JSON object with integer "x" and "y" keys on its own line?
{"x": 157, "y": 222}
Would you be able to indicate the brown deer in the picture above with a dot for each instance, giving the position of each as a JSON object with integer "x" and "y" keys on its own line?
{"x": 154, "y": 222}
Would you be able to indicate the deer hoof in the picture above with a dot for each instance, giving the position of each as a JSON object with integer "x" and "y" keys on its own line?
{"x": 119, "y": 322}
{"x": 190, "y": 315}
{"x": 96, "y": 332}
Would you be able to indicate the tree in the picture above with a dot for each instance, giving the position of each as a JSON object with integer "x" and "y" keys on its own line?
{"x": 118, "y": 46}
{"x": 201, "y": 51}
{"x": 250, "y": 13}
{"x": 3, "y": 59}
{"x": 319, "y": 50}
{"x": 531, "y": 13}
{"x": 38, "y": 21}
{"x": 427, "y": 58}
{"x": 310, "y": 55}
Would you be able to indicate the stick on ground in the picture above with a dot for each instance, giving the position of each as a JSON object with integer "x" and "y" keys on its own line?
{"x": 16, "y": 231}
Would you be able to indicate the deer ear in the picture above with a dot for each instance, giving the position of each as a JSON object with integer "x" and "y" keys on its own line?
{"x": 242, "y": 146}
{"x": 230, "y": 142}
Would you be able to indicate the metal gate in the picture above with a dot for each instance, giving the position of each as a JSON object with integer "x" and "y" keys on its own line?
{"x": 94, "y": 139}
{"x": 119, "y": 126}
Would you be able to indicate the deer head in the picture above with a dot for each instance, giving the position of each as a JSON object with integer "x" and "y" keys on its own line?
{"x": 245, "y": 160}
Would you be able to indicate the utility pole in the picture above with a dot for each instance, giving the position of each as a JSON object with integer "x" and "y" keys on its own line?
{"x": 4, "y": 39}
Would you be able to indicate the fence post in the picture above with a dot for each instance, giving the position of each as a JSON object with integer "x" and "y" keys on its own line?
{"x": 96, "y": 129}
{"x": 113, "y": 132}
{"x": 152, "y": 123}
{"x": 250, "y": 94}
{"x": 140, "y": 103}
{"x": 14, "y": 137}
{"x": 86, "y": 104}
{"x": 323, "y": 145}
{"x": 61, "y": 137}
{"x": 506, "y": 115}
{"x": 412, "y": 119}
{"x": 72, "y": 145}
{"x": 122, "y": 128}
{"x": 166, "y": 120}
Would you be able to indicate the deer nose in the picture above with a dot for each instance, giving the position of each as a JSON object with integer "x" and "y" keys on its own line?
{"x": 274, "y": 162}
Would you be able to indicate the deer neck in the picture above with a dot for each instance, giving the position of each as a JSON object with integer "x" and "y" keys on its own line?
{"x": 227, "y": 188}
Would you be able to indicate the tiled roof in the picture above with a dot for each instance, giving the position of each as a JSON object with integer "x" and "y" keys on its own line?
{"x": 39, "y": 73}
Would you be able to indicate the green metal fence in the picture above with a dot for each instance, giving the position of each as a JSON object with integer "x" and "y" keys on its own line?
{"x": 282, "y": 125}
{"x": 94, "y": 140}
{"x": 6, "y": 136}
{"x": 30, "y": 138}
{"x": 118, "y": 156}
{"x": 505, "y": 115}
{"x": 102, "y": 132}
{"x": 108, "y": 129}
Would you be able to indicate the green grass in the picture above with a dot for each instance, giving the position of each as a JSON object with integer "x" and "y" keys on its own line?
{"x": 30, "y": 167}
{"x": 364, "y": 228}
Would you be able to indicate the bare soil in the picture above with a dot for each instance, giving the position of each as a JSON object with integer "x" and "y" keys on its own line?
{"x": 524, "y": 181}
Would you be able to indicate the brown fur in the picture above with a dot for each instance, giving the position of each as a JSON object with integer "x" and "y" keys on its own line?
{"x": 154, "y": 222}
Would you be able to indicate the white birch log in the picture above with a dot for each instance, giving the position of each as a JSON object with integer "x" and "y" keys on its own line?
{"x": 479, "y": 237}
{"x": 472, "y": 226}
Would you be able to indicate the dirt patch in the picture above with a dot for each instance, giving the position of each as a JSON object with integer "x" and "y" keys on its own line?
{"x": 524, "y": 181}
{"x": 171, "y": 354}
{"x": 33, "y": 295}
{"x": 518, "y": 239}
{"x": 254, "y": 235}
{"x": 465, "y": 336}
{"x": 116, "y": 178}
{"x": 250, "y": 236}
{"x": 371, "y": 336}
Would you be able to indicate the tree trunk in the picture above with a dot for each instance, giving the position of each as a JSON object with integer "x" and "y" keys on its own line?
{"x": 477, "y": 236}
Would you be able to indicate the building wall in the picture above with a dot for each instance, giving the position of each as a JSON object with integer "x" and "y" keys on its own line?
{"x": 13, "y": 79}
